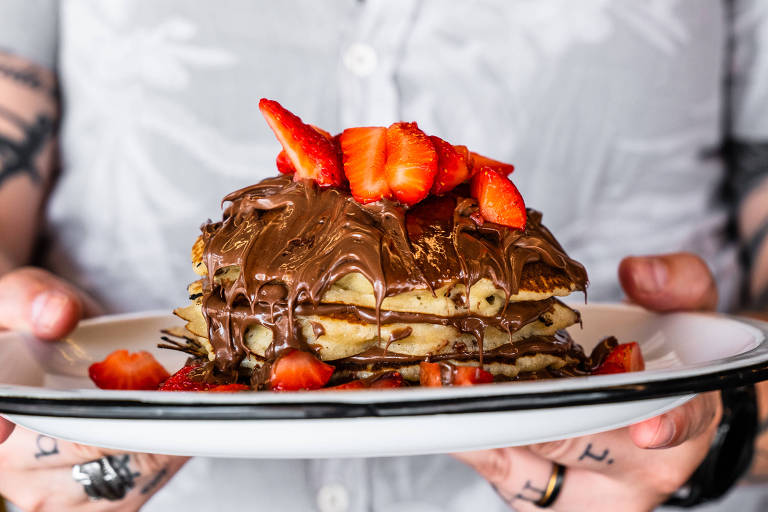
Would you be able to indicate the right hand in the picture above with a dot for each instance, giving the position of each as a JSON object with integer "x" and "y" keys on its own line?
{"x": 37, "y": 302}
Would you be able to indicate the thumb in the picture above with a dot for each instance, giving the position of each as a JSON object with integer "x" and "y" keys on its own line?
{"x": 35, "y": 301}
{"x": 669, "y": 282}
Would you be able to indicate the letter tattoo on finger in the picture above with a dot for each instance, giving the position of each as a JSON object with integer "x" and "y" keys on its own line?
{"x": 46, "y": 446}
{"x": 588, "y": 454}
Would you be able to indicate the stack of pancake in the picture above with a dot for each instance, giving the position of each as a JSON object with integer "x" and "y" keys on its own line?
{"x": 378, "y": 287}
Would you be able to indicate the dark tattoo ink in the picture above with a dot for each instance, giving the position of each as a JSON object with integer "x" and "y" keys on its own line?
{"x": 26, "y": 76}
{"x": 530, "y": 493}
{"x": 599, "y": 458}
{"x": 18, "y": 156}
{"x": 155, "y": 481}
{"x": 120, "y": 464}
{"x": 46, "y": 446}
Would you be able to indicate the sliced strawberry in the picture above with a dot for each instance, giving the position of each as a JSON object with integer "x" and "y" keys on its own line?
{"x": 623, "y": 358}
{"x": 182, "y": 381}
{"x": 364, "y": 153}
{"x": 411, "y": 163}
{"x": 353, "y": 384}
{"x": 125, "y": 370}
{"x": 311, "y": 153}
{"x": 284, "y": 164}
{"x": 452, "y": 168}
{"x": 498, "y": 199}
{"x": 430, "y": 375}
{"x": 479, "y": 161}
{"x": 297, "y": 370}
{"x": 229, "y": 388}
{"x": 388, "y": 380}
{"x": 470, "y": 375}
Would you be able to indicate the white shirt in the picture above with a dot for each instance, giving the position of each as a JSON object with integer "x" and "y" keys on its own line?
{"x": 611, "y": 113}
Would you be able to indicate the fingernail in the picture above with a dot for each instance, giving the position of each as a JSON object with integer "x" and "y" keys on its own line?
{"x": 47, "y": 309}
{"x": 651, "y": 275}
{"x": 664, "y": 434}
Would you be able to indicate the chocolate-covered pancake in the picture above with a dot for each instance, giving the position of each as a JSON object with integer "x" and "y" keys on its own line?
{"x": 378, "y": 286}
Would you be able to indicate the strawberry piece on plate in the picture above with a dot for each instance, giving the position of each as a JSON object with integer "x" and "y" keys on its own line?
{"x": 388, "y": 380}
{"x": 411, "y": 163}
{"x": 182, "y": 381}
{"x": 364, "y": 153}
{"x": 479, "y": 161}
{"x": 128, "y": 370}
{"x": 430, "y": 375}
{"x": 625, "y": 357}
{"x": 353, "y": 384}
{"x": 311, "y": 153}
{"x": 297, "y": 370}
{"x": 498, "y": 199}
{"x": 452, "y": 168}
{"x": 229, "y": 388}
{"x": 284, "y": 164}
{"x": 470, "y": 375}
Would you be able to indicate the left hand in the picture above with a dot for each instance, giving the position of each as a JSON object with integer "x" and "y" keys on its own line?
{"x": 634, "y": 468}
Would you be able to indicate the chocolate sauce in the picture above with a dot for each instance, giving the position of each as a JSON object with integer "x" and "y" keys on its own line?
{"x": 293, "y": 240}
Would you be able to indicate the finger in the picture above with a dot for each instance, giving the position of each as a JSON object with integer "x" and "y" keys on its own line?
{"x": 55, "y": 489}
{"x": 35, "y": 301}
{"x": 669, "y": 282}
{"x": 521, "y": 478}
{"x": 27, "y": 450}
{"x": 688, "y": 421}
{"x": 6, "y": 428}
{"x": 615, "y": 454}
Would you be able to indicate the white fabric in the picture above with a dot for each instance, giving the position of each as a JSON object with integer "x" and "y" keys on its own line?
{"x": 610, "y": 111}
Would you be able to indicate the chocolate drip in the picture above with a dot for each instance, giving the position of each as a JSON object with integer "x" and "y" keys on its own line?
{"x": 293, "y": 240}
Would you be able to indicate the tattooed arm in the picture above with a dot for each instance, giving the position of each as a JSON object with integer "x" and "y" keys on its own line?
{"x": 28, "y": 116}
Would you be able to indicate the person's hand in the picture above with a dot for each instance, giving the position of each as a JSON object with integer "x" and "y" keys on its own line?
{"x": 36, "y": 470}
{"x": 634, "y": 468}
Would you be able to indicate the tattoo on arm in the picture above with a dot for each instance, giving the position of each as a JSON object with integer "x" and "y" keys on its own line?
{"x": 18, "y": 154}
{"x": 155, "y": 481}
{"x": 46, "y": 446}
{"x": 588, "y": 454}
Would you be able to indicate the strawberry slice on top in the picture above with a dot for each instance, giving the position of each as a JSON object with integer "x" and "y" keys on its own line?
{"x": 182, "y": 381}
{"x": 478, "y": 161}
{"x": 452, "y": 168}
{"x": 296, "y": 370}
{"x": 411, "y": 163}
{"x": 311, "y": 153}
{"x": 128, "y": 370}
{"x": 364, "y": 153}
{"x": 498, "y": 199}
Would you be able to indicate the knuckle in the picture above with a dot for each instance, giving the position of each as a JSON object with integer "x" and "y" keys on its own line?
{"x": 496, "y": 466}
{"x": 555, "y": 450}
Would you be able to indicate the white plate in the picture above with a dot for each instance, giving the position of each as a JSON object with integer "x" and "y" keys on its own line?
{"x": 43, "y": 386}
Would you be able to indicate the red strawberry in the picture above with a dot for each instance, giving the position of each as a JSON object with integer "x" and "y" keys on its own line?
{"x": 623, "y": 358}
{"x": 125, "y": 370}
{"x": 498, "y": 199}
{"x": 364, "y": 153}
{"x": 311, "y": 153}
{"x": 470, "y": 375}
{"x": 479, "y": 161}
{"x": 430, "y": 375}
{"x": 389, "y": 380}
{"x": 181, "y": 381}
{"x": 452, "y": 167}
{"x": 228, "y": 388}
{"x": 297, "y": 370}
{"x": 411, "y": 163}
{"x": 353, "y": 384}
{"x": 284, "y": 164}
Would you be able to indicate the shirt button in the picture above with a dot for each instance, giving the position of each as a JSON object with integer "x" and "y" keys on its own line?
{"x": 333, "y": 498}
{"x": 360, "y": 59}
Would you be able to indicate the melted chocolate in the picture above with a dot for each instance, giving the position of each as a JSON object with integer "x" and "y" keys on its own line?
{"x": 293, "y": 240}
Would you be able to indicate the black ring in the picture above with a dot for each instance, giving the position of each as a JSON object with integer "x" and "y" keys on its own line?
{"x": 558, "y": 473}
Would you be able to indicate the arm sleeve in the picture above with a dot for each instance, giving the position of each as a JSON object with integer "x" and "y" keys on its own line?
{"x": 29, "y": 29}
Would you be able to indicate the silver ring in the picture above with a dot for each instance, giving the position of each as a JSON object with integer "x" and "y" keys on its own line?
{"x": 107, "y": 478}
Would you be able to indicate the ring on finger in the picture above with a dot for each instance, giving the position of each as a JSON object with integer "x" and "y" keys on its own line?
{"x": 554, "y": 486}
{"x": 104, "y": 478}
